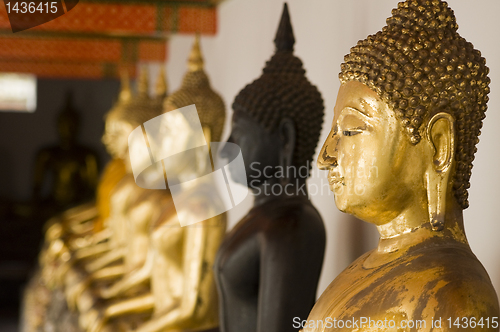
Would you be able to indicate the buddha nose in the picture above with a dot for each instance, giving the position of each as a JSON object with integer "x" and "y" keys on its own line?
{"x": 328, "y": 156}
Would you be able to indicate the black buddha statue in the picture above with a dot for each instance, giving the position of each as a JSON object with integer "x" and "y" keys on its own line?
{"x": 66, "y": 173}
{"x": 268, "y": 266}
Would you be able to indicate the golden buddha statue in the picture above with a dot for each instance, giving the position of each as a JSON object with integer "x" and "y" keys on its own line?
{"x": 79, "y": 223}
{"x": 408, "y": 116}
{"x": 71, "y": 166}
{"x": 132, "y": 207}
{"x": 182, "y": 294}
{"x": 69, "y": 222}
{"x": 64, "y": 238}
{"x": 75, "y": 228}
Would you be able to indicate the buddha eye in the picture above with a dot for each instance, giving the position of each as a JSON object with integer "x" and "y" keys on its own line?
{"x": 352, "y": 124}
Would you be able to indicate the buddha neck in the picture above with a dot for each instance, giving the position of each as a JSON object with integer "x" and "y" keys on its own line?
{"x": 407, "y": 231}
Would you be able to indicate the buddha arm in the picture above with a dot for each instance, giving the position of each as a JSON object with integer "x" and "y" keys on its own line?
{"x": 289, "y": 273}
{"x": 78, "y": 292}
{"x": 96, "y": 321}
{"x": 83, "y": 295}
{"x": 81, "y": 228}
{"x": 81, "y": 221}
{"x": 129, "y": 281}
{"x": 193, "y": 265}
{"x": 135, "y": 305}
{"x": 92, "y": 173}
{"x": 108, "y": 272}
{"x": 81, "y": 212}
{"x": 91, "y": 251}
{"x": 103, "y": 261}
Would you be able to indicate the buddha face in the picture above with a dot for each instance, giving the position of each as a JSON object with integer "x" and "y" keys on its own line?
{"x": 115, "y": 137}
{"x": 373, "y": 169}
{"x": 259, "y": 148}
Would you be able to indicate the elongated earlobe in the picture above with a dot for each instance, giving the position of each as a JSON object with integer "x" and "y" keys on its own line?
{"x": 441, "y": 135}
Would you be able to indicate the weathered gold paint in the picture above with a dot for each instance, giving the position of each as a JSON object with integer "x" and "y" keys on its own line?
{"x": 415, "y": 273}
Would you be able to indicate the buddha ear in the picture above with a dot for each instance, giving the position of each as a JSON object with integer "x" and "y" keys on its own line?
{"x": 441, "y": 135}
{"x": 287, "y": 135}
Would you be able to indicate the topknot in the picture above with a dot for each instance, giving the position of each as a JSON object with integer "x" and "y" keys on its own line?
{"x": 139, "y": 108}
{"x": 421, "y": 66}
{"x": 69, "y": 113}
{"x": 284, "y": 91}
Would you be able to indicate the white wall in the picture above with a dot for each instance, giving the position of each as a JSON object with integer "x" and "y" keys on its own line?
{"x": 325, "y": 30}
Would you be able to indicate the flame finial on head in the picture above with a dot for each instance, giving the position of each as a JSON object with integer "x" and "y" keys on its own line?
{"x": 284, "y": 39}
{"x": 283, "y": 91}
{"x": 161, "y": 88}
{"x": 195, "y": 61}
{"x": 125, "y": 92}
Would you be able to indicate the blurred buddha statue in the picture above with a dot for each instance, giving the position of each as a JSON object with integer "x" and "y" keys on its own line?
{"x": 131, "y": 207}
{"x": 65, "y": 173}
{"x": 268, "y": 266}
{"x": 120, "y": 122}
{"x": 76, "y": 227}
{"x": 75, "y": 224}
{"x": 399, "y": 155}
{"x": 70, "y": 221}
{"x": 62, "y": 231}
{"x": 182, "y": 295}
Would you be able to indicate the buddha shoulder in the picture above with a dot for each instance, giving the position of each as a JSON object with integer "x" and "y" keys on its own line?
{"x": 446, "y": 282}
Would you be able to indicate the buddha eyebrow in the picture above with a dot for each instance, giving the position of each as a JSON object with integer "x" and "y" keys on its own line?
{"x": 364, "y": 105}
{"x": 361, "y": 111}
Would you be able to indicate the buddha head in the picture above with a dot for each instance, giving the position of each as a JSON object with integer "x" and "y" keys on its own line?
{"x": 277, "y": 118}
{"x": 131, "y": 111}
{"x": 407, "y": 118}
{"x": 195, "y": 89}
